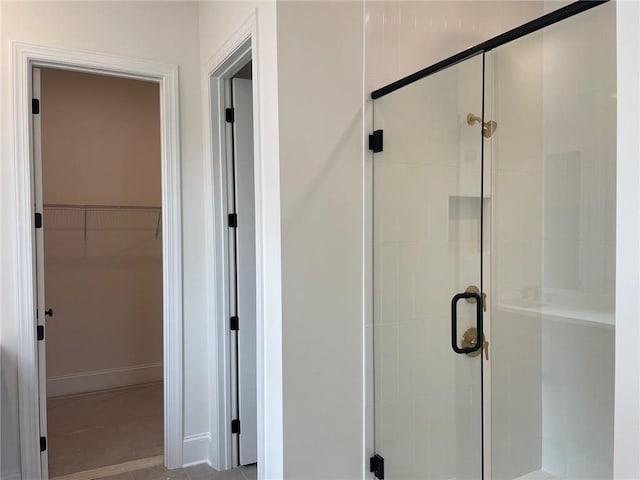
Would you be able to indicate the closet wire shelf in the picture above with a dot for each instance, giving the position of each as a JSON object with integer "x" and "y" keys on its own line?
{"x": 86, "y": 218}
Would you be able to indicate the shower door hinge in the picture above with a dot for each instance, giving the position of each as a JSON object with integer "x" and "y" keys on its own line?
{"x": 233, "y": 220}
{"x": 235, "y": 323}
{"x": 229, "y": 115}
{"x": 38, "y": 220}
{"x": 235, "y": 426}
{"x": 375, "y": 141}
{"x": 43, "y": 444}
{"x": 376, "y": 465}
{"x": 35, "y": 106}
{"x": 40, "y": 330}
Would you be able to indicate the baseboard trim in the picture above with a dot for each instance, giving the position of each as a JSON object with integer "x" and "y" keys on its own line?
{"x": 15, "y": 475}
{"x": 195, "y": 449}
{"x": 103, "y": 379}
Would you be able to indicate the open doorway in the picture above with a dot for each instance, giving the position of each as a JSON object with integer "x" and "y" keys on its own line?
{"x": 236, "y": 268}
{"x": 242, "y": 262}
{"x": 97, "y": 151}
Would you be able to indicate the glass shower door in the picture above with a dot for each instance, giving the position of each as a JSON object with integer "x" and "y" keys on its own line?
{"x": 427, "y": 209}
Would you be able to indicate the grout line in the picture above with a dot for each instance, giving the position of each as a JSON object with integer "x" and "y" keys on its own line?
{"x": 243, "y": 469}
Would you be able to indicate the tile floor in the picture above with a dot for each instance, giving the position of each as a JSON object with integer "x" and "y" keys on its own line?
{"x": 94, "y": 430}
{"x": 197, "y": 472}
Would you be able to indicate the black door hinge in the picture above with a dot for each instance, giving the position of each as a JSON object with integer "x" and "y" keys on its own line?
{"x": 40, "y": 332}
{"x": 35, "y": 106}
{"x": 38, "y": 220}
{"x": 375, "y": 141}
{"x": 376, "y": 465}
{"x": 229, "y": 115}
{"x": 43, "y": 444}
{"x": 235, "y": 323}
{"x": 235, "y": 426}
{"x": 233, "y": 220}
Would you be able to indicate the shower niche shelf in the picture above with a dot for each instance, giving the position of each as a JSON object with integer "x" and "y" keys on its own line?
{"x": 465, "y": 222}
{"x": 576, "y": 316}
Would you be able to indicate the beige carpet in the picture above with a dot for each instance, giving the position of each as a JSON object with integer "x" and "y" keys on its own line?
{"x": 104, "y": 428}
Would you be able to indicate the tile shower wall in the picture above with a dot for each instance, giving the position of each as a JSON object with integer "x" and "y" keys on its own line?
{"x": 554, "y": 196}
{"x": 579, "y": 161}
{"x": 403, "y": 37}
{"x": 516, "y": 150}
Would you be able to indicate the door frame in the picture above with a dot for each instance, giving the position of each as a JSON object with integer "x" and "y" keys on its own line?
{"x": 24, "y": 58}
{"x": 248, "y": 42}
{"x": 223, "y": 397}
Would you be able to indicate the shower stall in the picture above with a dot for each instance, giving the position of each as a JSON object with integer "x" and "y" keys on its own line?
{"x": 494, "y": 221}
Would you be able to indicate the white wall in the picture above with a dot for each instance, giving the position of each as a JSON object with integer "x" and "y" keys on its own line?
{"x": 166, "y": 32}
{"x": 320, "y": 79}
{"x": 9, "y": 431}
{"x": 627, "y": 379}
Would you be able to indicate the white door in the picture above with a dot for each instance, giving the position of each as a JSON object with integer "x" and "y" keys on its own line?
{"x": 245, "y": 269}
{"x": 40, "y": 307}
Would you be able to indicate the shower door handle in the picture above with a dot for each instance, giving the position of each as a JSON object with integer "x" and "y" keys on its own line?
{"x": 454, "y": 322}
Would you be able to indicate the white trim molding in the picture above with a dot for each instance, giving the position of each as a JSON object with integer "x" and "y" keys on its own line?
{"x": 15, "y": 475}
{"x": 239, "y": 53}
{"x": 25, "y": 57}
{"x": 255, "y": 39}
{"x": 196, "y": 449}
{"x": 84, "y": 382}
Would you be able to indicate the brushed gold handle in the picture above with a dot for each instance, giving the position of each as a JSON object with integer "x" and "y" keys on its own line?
{"x": 470, "y": 340}
{"x": 476, "y": 290}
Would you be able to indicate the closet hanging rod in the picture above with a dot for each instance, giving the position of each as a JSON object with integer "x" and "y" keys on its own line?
{"x": 101, "y": 207}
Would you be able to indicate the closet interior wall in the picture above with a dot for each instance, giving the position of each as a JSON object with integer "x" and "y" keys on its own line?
{"x": 103, "y": 245}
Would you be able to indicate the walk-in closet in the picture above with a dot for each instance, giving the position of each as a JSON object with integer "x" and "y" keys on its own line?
{"x": 98, "y": 138}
